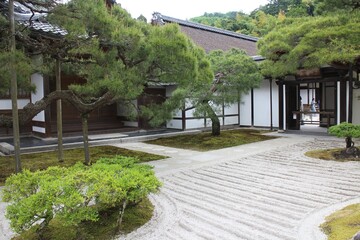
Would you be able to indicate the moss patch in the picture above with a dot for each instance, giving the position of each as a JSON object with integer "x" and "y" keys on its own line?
{"x": 205, "y": 141}
{"x": 35, "y": 161}
{"x": 330, "y": 154}
{"x": 104, "y": 228}
{"x": 343, "y": 224}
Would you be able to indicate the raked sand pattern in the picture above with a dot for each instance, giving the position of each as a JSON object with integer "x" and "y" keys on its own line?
{"x": 267, "y": 190}
{"x": 268, "y": 195}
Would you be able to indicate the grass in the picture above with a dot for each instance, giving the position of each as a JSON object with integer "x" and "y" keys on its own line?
{"x": 343, "y": 224}
{"x": 330, "y": 154}
{"x": 105, "y": 228}
{"x": 205, "y": 141}
{"x": 35, "y": 161}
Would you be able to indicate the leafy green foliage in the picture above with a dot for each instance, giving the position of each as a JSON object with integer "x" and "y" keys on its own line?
{"x": 77, "y": 193}
{"x": 237, "y": 73}
{"x": 39, "y": 161}
{"x": 265, "y": 18}
{"x": 345, "y": 129}
{"x": 298, "y": 43}
{"x": 22, "y": 65}
{"x": 122, "y": 56}
{"x": 134, "y": 217}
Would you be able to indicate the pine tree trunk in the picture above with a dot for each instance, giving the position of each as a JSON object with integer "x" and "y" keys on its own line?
{"x": 349, "y": 142}
{"x": 215, "y": 126}
{"x": 15, "y": 113}
{"x": 85, "y": 129}
{"x": 59, "y": 113}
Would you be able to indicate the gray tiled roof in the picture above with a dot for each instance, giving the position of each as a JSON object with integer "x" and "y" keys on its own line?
{"x": 45, "y": 27}
{"x": 207, "y": 28}
{"x": 35, "y": 21}
{"x": 211, "y": 38}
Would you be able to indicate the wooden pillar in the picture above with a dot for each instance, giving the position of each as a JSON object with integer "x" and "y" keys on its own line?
{"x": 223, "y": 113}
{"x": 350, "y": 106}
{"x": 342, "y": 101}
{"x": 281, "y": 106}
{"x": 183, "y": 119}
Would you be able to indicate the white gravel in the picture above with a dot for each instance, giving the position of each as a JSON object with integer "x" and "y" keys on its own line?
{"x": 268, "y": 190}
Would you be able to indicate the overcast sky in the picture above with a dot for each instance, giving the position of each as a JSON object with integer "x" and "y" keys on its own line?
{"x": 186, "y": 9}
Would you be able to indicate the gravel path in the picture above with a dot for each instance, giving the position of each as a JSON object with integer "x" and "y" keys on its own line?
{"x": 267, "y": 190}
{"x": 273, "y": 195}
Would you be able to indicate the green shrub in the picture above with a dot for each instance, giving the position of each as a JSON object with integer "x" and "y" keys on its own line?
{"x": 77, "y": 193}
{"x": 345, "y": 129}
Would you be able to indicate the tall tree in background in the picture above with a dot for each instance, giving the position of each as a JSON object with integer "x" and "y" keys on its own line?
{"x": 235, "y": 74}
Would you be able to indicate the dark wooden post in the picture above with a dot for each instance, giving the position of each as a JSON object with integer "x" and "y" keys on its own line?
{"x": 350, "y": 109}
{"x": 271, "y": 107}
{"x": 281, "y": 105}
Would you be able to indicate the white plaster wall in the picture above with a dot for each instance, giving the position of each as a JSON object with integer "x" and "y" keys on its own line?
{"x": 232, "y": 109}
{"x": 245, "y": 110}
{"x": 38, "y": 80}
{"x": 231, "y": 120}
{"x": 177, "y": 113}
{"x": 38, "y": 129}
{"x": 275, "y": 104}
{"x": 356, "y": 106}
{"x": 195, "y": 123}
{"x": 174, "y": 123}
{"x": 262, "y": 105}
{"x": 190, "y": 113}
{"x": 5, "y": 104}
{"x": 220, "y": 120}
{"x": 209, "y": 122}
{"x": 304, "y": 96}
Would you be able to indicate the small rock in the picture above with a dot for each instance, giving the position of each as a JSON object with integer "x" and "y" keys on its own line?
{"x": 356, "y": 236}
